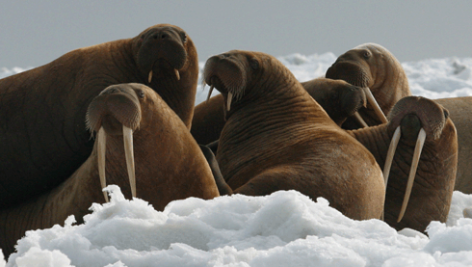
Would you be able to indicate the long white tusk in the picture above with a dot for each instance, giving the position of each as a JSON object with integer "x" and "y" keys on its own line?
{"x": 411, "y": 176}
{"x": 360, "y": 120}
{"x": 101, "y": 151}
{"x": 391, "y": 152}
{"x": 228, "y": 101}
{"x": 209, "y": 93}
{"x": 375, "y": 105}
{"x": 129, "y": 153}
{"x": 177, "y": 74}
{"x": 150, "y": 77}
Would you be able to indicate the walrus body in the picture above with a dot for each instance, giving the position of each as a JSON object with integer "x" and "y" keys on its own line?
{"x": 208, "y": 120}
{"x": 435, "y": 176}
{"x": 42, "y": 123}
{"x": 388, "y": 83}
{"x": 168, "y": 163}
{"x": 338, "y": 98}
{"x": 460, "y": 111}
{"x": 276, "y": 137}
{"x": 373, "y": 66}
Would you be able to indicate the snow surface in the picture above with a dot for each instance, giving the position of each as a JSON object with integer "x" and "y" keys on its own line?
{"x": 283, "y": 229}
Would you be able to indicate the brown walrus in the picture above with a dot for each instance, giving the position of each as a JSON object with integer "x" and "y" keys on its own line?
{"x": 431, "y": 190}
{"x": 168, "y": 163}
{"x": 338, "y": 98}
{"x": 42, "y": 123}
{"x": 276, "y": 137}
{"x": 460, "y": 110}
{"x": 372, "y": 66}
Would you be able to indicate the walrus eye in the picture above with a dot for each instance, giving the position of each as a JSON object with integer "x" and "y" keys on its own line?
{"x": 366, "y": 55}
{"x": 446, "y": 114}
{"x": 140, "y": 93}
{"x": 254, "y": 64}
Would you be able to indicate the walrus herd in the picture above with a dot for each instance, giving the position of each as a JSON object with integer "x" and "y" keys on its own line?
{"x": 123, "y": 112}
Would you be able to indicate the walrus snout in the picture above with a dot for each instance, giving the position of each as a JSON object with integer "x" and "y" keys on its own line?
{"x": 350, "y": 72}
{"x": 430, "y": 114}
{"x": 163, "y": 47}
{"x": 113, "y": 108}
{"x": 227, "y": 73}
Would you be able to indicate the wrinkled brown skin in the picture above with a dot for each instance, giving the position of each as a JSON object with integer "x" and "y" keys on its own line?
{"x": 338, "y": 98}
{"x": 434, "y": 183}
{"x": 42, "y": 123}
{"x": 460, "y": 110}
{"x": 388, "y": 89}
{"x": 169, "y": 164}
{"x": 276, "y": 137}
{"x": 371, "y": 65}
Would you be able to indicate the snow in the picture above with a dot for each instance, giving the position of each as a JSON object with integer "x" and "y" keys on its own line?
{"x": 282, "y": 229}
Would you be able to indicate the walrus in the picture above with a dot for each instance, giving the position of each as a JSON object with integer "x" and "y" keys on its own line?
{"x": 42, "y": 123}
{"x": 168, "y": 164}
{"x": 372, "y": 66}
{"x": 460, "y": 110}
{"x": 338, "y": 98}
{"x": 276, "y": 137}
{"x": 430, "y": 181}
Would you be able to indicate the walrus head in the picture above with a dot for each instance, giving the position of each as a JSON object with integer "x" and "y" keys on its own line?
{"x": 338, "y": 98}
{"x": 364, "y": 65}
{"x": 233, "y": 72}
{"x": 415, "y": 120}
{"x": 116, "y": 111}
{"x": 162, "y": 50}
{"x": 369, "y": 66}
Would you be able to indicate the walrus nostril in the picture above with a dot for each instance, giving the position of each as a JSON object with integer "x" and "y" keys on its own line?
{"x": 164, "y": 36}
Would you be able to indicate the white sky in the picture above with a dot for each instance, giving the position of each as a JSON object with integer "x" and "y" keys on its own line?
{"x": 34, "y": 33}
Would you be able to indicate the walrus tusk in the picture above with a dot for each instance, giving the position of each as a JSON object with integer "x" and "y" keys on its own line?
{"x": 391, "y": 152}
{"x": 150, "y": 77}
{"x": 414, "y": 166}
{"x": 101, "y": 151}
{"x": 360, "y": 120}
{"x": 375, "y": 105}
{"x": 228, "y": 101}
{"x": 129, "y": 153}
{"x": 177, "y": 74}
{"x": 209, "y": 93}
